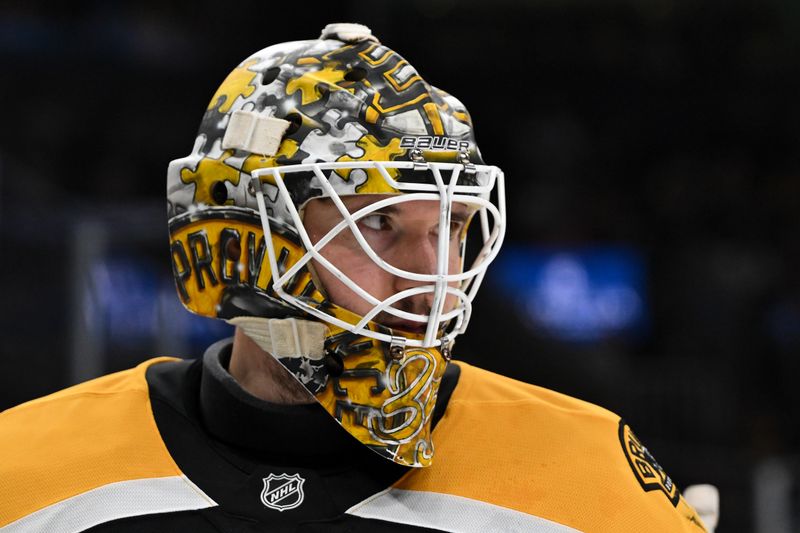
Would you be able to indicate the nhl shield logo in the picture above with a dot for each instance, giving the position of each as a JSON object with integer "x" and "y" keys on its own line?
{"x": 283, "y": 492}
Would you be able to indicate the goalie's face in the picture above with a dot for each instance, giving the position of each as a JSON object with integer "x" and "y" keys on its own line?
{"x": 405, "y": 235}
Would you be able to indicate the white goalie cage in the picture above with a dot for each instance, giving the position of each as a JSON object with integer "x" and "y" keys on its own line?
{"x": 444, "y": 191}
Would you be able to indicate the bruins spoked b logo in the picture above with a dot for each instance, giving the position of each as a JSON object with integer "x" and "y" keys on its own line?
{"x": 647, "y": 470}
{"x": 283, "y": 492}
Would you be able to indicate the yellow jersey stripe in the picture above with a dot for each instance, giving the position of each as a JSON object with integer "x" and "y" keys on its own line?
{"x": 85, "y": 437}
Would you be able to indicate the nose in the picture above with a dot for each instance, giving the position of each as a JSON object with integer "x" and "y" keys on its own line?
{"x": 417, "y": 255}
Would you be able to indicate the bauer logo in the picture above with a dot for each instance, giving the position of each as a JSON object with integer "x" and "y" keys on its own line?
{"x": 648, "y": 472}
{"x": 429, "y": 142}
{"x": 283, "y": 492}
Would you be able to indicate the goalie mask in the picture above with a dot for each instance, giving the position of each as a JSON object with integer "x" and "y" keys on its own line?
{"x": 345, "y": 127}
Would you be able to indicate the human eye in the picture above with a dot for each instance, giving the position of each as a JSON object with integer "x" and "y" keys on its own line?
{"x": 456, "y": 228}
{"x": 375, "y": 222}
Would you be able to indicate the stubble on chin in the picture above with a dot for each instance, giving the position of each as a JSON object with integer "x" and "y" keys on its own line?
{"x": 263, "y": 376}
{"x": 287, "y": 389}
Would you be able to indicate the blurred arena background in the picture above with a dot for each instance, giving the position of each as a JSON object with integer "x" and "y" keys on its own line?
{"x": 651, "y": 155}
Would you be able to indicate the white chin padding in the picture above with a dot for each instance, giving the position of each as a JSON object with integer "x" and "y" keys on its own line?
{"x": 285, "y": 337}
{"x": 705, "y": 500}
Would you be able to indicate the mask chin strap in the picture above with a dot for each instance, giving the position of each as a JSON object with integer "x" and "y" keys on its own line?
{"x": 285, "y": 337}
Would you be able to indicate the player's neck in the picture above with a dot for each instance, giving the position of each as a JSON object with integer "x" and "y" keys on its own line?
{"x": 258, "y": 373}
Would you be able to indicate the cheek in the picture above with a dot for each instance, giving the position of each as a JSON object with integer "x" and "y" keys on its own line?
{"x": 360, "y": 269}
